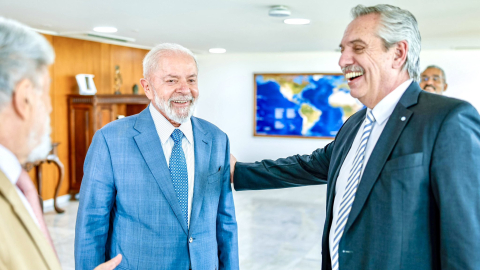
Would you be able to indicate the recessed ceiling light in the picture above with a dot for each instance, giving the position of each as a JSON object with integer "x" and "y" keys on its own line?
{"x": 105, "y": 29}
{"x": 296, "y": 21}
{"x": 217, "y": 50}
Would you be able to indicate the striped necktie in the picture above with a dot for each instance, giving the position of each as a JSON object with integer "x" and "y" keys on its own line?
{"x": 179, "y": 173}
{"x": 351, "y": 188}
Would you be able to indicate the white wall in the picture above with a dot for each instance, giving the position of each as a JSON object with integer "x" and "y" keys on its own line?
{"x": 459, "y": 69}
{"x": 226, "y": 93}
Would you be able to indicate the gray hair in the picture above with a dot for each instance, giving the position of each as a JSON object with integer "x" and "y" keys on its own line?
{"x": 441, "y": 70}
{"x": 23, "y": 55}
{"x": 396, "y": 25}
{"x": 150, "y": 62}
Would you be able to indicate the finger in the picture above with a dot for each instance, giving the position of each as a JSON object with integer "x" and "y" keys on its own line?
{"x": 111, "y": 264}
{"x": 233, "y": 161}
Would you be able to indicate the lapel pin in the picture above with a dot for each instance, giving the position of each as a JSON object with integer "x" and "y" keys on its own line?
{"x": 403, "y": 118}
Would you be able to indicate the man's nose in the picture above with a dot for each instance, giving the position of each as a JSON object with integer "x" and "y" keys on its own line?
{"x": 183, "y": 87}
{"x": 345, "y": 59}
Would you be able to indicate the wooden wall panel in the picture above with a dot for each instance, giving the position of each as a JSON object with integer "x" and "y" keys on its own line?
{"x": 137, "y": 65}
{"x": 105, "y": 77}
{"x": 72, "y": 59}
{"x": 130, "y": 62}
{"x": 122, "y": 57}
{"x": 74, "y": 56}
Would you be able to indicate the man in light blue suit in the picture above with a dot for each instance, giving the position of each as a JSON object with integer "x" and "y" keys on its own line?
{"x": 156, "y": 185}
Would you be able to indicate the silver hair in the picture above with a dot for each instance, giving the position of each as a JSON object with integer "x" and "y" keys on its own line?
{"x": 396, "y": 25}
{"x": 24, "y": 54}
{"x": 150, "y": 62}
{"x": 441, "y": 70}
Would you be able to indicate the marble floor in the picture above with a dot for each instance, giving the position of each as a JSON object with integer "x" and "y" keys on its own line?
{"x": 278, "y": 229}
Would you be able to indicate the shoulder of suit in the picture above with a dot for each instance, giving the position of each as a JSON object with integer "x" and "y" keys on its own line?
{"x": 440, "y": 104}
{"x": 207, "y": 126}
{"x": 120, "y": 125}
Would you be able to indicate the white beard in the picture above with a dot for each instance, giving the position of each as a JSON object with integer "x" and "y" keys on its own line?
{"x": 41, "y": 151}
{"x": 180, "y": 117}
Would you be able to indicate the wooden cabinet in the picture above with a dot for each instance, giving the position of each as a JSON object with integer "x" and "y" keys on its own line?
{"x": 87, "y": 114}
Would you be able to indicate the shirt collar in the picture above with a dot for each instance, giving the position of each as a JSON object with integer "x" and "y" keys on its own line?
{"x": 165, "y": 128}
{"x": 9, "y": 165}
{"x": 385, "y": 107}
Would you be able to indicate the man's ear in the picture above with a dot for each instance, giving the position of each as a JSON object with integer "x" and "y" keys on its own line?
{"x": 22, "y": 98}
{"x": 401, "y": 51}
{"x": 445, "y": 88}
{"x": 146, "y": 87}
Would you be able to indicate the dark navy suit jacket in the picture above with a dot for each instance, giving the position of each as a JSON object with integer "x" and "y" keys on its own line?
{"x": 418, "y": 202}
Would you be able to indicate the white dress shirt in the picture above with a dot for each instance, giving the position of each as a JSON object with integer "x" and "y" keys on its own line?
{"x": 10, "y": 166}
{"x": 165, "y": 130}
{"x": 381, "y": 112}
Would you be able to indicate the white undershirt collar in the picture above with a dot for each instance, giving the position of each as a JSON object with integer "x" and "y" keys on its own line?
{"x": 9, "y": 165}
{"x": 385, "y": 107}
{"x": 165, "y": 128}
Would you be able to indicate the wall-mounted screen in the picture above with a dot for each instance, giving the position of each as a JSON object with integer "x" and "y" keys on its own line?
{"x": 302, "y": 105}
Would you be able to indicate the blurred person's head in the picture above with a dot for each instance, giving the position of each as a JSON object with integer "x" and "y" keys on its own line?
{"x": 170, "y": 81}
{"x": 380, "y": 50}
{"x": 433, "y": 80}
{"x": 25, "y": 104}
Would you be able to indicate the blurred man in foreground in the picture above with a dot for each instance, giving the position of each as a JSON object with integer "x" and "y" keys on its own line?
{"x": 433, "y": 80}
{"x": 24, "y": 137}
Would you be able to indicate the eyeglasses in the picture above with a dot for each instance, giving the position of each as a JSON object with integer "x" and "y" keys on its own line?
{"x": 434, "y": 78}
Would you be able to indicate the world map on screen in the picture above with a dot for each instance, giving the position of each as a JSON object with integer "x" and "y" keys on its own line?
{"x": 310, "y": 105}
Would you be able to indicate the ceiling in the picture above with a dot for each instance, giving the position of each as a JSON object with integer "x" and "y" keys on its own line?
{"x": 242, "y": 26}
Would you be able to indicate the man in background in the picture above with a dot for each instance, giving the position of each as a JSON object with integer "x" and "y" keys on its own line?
{"x": 403, "y": 184}
{"x": 433, "y": 80}
{"x": 25, "y": 109}
{"x": 156, "y": 185}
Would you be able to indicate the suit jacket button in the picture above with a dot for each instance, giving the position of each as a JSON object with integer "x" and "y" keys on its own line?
{"x": 190, "y": 240}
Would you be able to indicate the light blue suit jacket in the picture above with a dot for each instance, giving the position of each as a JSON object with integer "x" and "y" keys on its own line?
{"x": 128, "y": 204}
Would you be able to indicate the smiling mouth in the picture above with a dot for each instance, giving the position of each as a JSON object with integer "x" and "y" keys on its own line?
{"x": 180, "y": 103}
{"x": 429, "y": 87}
{"x": 352, "y": 76}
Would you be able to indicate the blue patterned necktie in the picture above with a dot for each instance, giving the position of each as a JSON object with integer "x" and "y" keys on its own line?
{"x": 351, "y": 188}
{"x": 179, "y": 173}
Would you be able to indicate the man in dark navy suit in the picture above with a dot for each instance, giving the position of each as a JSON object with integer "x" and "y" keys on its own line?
{"x": 403, "y": 174}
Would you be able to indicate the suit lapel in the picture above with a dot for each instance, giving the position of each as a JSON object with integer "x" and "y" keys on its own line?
{"x": 389, "y": 137}
{"x": 10, "y": 194}
{"x": 345, "y": 145}
{"x": 203, "y": 147}
{"x": 149, "y": 144}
